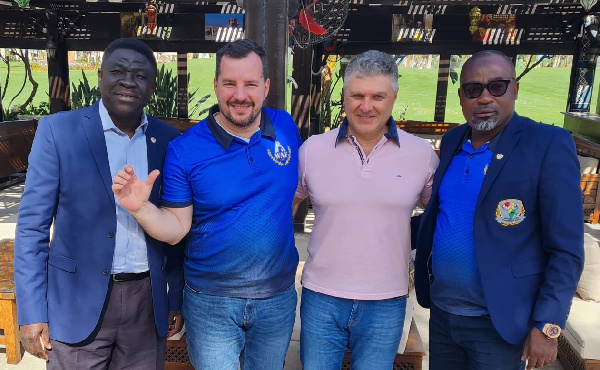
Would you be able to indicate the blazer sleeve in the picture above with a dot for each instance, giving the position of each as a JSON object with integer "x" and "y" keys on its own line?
{"x": 174, "y": 271}
{"x": 561, "y": 220}
{"x": 38, "y": 206}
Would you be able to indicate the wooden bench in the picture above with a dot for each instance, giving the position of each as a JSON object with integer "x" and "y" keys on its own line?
{"x": 8, "y": 304}
{"x": 412, "y": 359}
{"x": 181, "y": 124}
{"x": 16, "y": 138}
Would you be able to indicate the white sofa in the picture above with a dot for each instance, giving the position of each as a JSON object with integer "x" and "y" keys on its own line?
{"x": 579, "y": 344}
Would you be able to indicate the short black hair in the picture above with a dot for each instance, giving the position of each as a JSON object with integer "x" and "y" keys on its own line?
{"x": 489, "y": 53}
{"x": 240, "y": 49}
{"x": 135, "y": 45}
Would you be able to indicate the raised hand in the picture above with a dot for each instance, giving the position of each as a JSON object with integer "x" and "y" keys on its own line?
{"x": 132, "y": 192}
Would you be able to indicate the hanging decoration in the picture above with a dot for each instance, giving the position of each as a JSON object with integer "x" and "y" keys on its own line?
{"x": 151, "y": 16}
{"x": 474, "y": 14}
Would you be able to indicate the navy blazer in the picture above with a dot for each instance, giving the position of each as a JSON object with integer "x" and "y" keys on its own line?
{"x": 64, "y": 282}
{"x": 530, "y": 269}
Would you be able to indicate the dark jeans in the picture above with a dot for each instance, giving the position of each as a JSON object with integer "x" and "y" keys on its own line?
{"x": 469, "y": 342}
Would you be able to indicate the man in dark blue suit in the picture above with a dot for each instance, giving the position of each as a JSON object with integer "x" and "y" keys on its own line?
{"x": 94, "y": 295}
{"x": 500, "y": 245}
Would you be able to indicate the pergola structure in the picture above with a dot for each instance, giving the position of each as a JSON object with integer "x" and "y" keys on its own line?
{"x": 401, "y": 27}
{"x": 525, "y": 27}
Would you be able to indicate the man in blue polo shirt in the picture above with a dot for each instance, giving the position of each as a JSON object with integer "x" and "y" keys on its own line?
{"x": 500, "y": 245}
{"x": 230, "y": 181}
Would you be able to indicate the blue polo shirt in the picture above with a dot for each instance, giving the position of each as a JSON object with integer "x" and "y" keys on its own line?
{"x": 457, "y": 286}
{"x": 241, "y": 243}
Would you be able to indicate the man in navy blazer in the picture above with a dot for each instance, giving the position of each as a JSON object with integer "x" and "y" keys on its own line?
{"x": 500, "y": 245}
{"x": 94, "y": 289}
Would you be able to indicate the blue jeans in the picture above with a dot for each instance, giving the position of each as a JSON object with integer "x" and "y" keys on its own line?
{"x": 223, "y": 331}
{"x": 371, "y": 329}
{"x": 469, "y": 342}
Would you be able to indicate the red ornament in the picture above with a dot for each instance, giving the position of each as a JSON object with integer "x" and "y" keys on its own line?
{"x": 151, "y": 13}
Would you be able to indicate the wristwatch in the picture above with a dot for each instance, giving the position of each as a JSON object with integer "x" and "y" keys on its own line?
{"x": 551, "y": 331}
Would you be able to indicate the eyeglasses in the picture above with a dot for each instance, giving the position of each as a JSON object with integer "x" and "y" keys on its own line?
{"x": 496, "y": 88}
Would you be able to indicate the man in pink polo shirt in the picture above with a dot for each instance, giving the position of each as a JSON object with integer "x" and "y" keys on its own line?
{"x": 364, "y": 179}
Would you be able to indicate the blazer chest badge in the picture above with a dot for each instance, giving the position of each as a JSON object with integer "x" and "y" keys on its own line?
{"x": 510, "y": 212}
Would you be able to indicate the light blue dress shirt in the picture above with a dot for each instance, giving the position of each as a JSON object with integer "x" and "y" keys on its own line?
{"x": 131, "y": 253}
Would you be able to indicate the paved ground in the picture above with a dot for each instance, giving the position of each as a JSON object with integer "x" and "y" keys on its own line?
{"x": 9, "y": 204}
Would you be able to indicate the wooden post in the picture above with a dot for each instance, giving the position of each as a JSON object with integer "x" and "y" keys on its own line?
{"x": 442, "y": 87}
{"x": 315, "y": 90}
{"x": 301, "y": 109}
{"x": 259, "y": 13}
{"x": 182, "y": 86}
{"x": 582, "y": 72}
{"x": 58, "y": 66}
{"x": 276, "y": 46}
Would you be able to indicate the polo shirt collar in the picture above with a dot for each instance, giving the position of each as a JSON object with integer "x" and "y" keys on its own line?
{"x": 491, "y": 144}
{"x": 108, "y": 124}
{"x": 225, "y": 139}
{"x": 391, "y": 134}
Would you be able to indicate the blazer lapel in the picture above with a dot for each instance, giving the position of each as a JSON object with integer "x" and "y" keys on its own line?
{"x": 503, "y": 149}
{"x": 95, "y": 136}
{"x": 154, "y": 162}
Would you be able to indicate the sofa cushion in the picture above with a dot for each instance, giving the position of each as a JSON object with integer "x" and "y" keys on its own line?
{"x": 589, "y": 283}
{"x": 588, "y": 165}
{"x": 582, "y": 329}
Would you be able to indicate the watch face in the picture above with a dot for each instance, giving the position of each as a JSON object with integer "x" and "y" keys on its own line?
{"x": 552, "y": 331}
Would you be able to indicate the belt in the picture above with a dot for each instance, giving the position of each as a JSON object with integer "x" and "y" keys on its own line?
{"x": 129, "y": 276}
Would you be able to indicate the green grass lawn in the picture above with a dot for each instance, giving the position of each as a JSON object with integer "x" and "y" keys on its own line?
{"x": 542, "y": 94}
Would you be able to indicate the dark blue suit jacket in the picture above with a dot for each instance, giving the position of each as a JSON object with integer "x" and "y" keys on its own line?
{"x": 529, "y": 270}
{"x": 65, "y": 282}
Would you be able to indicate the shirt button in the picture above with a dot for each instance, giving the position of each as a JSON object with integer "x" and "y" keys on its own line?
{"x": 467, "y": 170}
{"x": 111, "y": 235}
{"x": 251, "y": 159}
{"x": 105, "y": 272}
{"x": 471, "y": 156}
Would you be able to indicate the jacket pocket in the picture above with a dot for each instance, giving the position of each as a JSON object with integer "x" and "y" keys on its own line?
{"x": 64, "y": 263}
{"x": 533, "y": 267}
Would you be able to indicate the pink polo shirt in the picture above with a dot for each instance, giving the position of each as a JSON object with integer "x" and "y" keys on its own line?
{"x": 360, "y": 243}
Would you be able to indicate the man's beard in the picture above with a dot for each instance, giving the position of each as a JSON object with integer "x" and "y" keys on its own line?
{"x": 484, "y": 125}
{"x": 243, "y": 122}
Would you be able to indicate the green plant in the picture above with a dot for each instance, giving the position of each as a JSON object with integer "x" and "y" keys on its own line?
{"x": 43, "y": 109}
{"x": 163, "y": 102}
{"x": 83, "y": 95}
{"x": 195, "y": 107}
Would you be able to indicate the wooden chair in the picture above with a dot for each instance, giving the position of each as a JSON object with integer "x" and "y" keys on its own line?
{"x": 8, "y": 304}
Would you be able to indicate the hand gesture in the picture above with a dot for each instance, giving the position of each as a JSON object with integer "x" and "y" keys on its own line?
{"x": 36, "y": 339}
{"x": 132, "y": 192}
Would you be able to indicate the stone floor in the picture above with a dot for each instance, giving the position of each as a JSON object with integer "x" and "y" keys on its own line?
{"x": 9, "y": 204}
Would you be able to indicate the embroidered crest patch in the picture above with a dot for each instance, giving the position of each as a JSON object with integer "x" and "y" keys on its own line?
{"x": 510, "y": 212}
{"x": 281, "y": 156}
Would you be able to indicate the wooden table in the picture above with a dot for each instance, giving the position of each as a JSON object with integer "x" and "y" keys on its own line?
{"x": 8, "y": 304}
